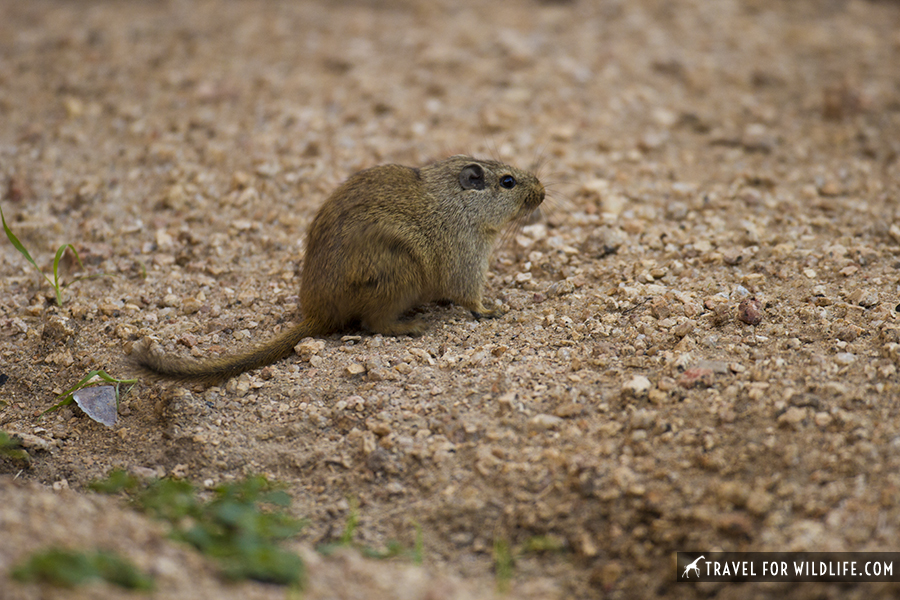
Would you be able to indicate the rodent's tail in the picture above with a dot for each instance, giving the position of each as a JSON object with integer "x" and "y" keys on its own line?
{"x": 214, "y": 370}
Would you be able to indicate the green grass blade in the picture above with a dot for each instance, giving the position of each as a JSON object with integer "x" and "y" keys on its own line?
{"x": 504, "y": 565}
{"x": 59, "y": 253}
{"x": 419, "y": 548}
{"x": 67, "y": 395}
{"x": 18, "y": 246}
{"x": 77, "y": 257}
{"x": 69, "y": 568}
{"x": 352, "y": 523}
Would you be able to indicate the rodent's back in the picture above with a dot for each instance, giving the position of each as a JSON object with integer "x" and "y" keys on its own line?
{"x": 376, "y": 219}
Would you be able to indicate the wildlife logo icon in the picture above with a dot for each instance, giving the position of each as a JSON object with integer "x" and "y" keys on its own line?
{"x": 693, "y": 565}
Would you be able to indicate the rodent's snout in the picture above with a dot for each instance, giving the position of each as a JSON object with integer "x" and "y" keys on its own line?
{"x": 538, "y": 196}
{"x": 532, "y": 200}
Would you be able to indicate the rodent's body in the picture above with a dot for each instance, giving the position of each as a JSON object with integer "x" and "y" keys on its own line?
{"x": 387, "y": 240}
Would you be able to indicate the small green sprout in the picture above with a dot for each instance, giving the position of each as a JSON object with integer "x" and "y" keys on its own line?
{"x": 54, "y": 283}
{"x": 418, "y": 554}
{"x": 118, "y": 480}
{"x": 241, "y": 526}
{"x": 67, "y": 568}
{"x": 504, "y": 564}
{"x": 505, "y": 555}
{"x": 394, "y": 548}
{"x": 11, "y": 448}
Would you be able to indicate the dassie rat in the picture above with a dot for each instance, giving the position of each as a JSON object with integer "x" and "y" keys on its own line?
{"x": 387, "y": 240}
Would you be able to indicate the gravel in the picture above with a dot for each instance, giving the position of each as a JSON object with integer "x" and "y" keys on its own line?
{"x": 701, "y": 347}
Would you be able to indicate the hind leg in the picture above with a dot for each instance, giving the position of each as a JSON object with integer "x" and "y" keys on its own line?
{"x": 388, "y": 287}
{"x": 395, "y": 326}
{"x": 384, "y": 312}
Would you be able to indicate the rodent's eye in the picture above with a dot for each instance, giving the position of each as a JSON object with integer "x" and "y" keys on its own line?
{"x": 508, "y": 182}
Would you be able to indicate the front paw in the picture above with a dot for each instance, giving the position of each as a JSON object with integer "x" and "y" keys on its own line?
{"x": 486, "y": 313}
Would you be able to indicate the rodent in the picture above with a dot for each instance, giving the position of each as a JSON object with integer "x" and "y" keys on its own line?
{"x": 388, "y": 239}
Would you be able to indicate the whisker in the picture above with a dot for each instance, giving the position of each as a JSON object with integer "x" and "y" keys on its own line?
{"x": 540, "y": 160}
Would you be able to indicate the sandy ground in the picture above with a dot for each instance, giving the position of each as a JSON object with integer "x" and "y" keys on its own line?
{"x": 702, "y": 344}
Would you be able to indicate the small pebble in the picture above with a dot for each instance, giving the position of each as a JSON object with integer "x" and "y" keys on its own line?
{"x": 750, "y": 311}
{"x": 544, "y": 421}
{"x": 822, "y": 419}
{"x": 603, "y": 242}
{"x": 171, "y": 300}
{"x": 683, "y": 328}
{"x": 659, "y": 308}
{"x": 637, "y": 387}
{"x": 570, "y": 409}
{"x": 308, "y": 348}
{"x": 864, "y": 298}
{"x": 697, "y": 377}
{"x": 792, "y": 416}
{"x": 355, "y": 369}
{"x": 844, "y": 358}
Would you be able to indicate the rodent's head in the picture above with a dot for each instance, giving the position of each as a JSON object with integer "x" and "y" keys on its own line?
{"x": 495, "y": 192}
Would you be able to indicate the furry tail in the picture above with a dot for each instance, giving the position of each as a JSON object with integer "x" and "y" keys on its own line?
{"x": 154, "y": 364}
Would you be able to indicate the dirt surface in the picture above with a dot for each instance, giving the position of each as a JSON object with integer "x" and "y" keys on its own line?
{"x": 702, "y": 344}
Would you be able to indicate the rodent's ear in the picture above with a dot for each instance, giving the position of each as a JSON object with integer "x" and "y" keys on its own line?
{"x": 472, "y": 177}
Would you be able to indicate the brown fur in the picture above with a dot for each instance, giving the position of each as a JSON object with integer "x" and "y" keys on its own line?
{"x": 388, "y": 239}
